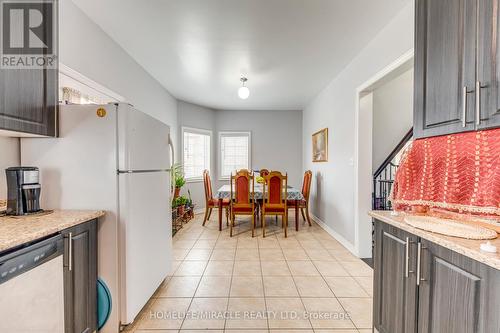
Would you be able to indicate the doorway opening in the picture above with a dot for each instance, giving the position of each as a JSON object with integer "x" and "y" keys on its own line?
{"x": 384, "y": 115}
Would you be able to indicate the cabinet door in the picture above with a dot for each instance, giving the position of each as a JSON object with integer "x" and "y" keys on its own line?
{"x": 456, "y": 294}
{"x": 28, "y": 101}
{"x": 488, "y": 60}
{"x": 395, "y": 290}
{"x": 445, "y": 43}
{"x": 81, "y": 278}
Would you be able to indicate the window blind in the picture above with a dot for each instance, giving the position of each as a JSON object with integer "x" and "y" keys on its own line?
{"x": 196, "y": 153}
{"x": 234, "y": 152}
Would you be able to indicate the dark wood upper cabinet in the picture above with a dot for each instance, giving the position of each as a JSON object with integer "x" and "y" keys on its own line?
{"x": 445, "y": 35}
{"x": 488, "y": 64}
{"x": 29, "y": 100}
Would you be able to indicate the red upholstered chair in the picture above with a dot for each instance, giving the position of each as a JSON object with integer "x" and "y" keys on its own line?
{"x": 304, "y": 204}
{"x": 274, "y": 199}
{"x": 242, "y": 202}
{"x": 210, "y": 202}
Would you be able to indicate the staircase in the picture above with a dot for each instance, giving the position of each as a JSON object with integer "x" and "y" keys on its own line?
{"x": 383, "y": 178}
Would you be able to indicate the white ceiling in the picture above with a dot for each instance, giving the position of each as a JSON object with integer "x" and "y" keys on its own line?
{"x": 197, "y": 49}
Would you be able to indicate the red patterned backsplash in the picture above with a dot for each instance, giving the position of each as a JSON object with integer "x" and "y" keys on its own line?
{"x": 458, "y": 173}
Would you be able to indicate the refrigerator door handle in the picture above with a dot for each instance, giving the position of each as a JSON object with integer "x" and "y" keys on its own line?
{"x": 142, "y": 171}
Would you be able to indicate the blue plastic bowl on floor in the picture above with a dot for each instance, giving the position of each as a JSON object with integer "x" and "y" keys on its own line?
{"x": 103, "y": 303}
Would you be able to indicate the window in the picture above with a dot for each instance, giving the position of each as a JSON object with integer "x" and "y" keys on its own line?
{"x": 195, "y": 152}
{"x": 234, "y": 152}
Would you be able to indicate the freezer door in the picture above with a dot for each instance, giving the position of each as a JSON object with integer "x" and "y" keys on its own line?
{"x": 143, "y": 141}
{"x": 146, "y": 247}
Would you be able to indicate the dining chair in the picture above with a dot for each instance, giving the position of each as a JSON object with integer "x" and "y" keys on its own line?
{"x": 303, "y": 204}
{"x": 263, "y": 172}
{"x": 274, "y": 193}
{"x": 210, "y": 201}
{"x": 242, "y": 202}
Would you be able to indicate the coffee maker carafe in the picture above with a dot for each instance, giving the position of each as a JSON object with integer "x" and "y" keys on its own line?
{"x": 23, "y": 190}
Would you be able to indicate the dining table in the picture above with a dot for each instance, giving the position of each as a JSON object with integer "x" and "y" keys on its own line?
{"x": 293, "y": 195}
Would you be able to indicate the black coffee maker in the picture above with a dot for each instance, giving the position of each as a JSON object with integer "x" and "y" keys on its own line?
{"x": 23, "y": 190}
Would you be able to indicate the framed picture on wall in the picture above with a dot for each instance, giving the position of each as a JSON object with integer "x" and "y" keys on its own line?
{"x": 320, "y": 146}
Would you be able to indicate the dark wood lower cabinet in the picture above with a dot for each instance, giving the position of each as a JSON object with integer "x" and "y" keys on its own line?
{"x": 80, "y": 278}
{"x": 441, "y": 291}
{"x": 394, "y": 293}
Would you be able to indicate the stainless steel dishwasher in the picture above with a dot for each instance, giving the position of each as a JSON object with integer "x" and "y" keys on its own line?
{"x": 32, "y": 288}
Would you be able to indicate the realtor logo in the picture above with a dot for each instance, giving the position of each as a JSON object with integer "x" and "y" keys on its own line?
{"x": 28, "y": 34}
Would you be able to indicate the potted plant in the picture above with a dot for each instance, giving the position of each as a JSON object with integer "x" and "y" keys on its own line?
{"x": 178, "y": 179}
{"x": 181, "y": 204}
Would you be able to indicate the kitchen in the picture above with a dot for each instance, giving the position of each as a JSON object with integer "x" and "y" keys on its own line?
{"x": 111, "y": 136}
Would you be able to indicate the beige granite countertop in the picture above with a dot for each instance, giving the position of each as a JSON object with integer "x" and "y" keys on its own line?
{"x": 467, "y": 247}
{"x": 17, "y": 230}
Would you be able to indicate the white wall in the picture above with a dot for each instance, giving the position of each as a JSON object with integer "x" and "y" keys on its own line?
{"x": 332, "y": 195}
{"x": 86, "y": 48}
{"x": 9, "y": 148}
{"x": 276, "y": 140}
{"x": 192, "y": 115}
{"x": 392, "y": 115}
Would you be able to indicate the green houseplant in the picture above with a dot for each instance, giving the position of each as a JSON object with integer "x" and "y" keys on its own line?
{"x": 180, "y": 203}
{"x": 178, "y": 178}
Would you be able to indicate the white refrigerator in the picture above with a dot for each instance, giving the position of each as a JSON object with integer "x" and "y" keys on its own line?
{"x": 115, "y": 158}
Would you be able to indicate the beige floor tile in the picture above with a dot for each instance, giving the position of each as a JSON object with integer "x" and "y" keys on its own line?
{"x": 311, "y": 244}
{"x": 245, "y": 331}
{"x": 247, "y": 268}
{"x": 335, "y": 331}
{"x": 206, "y": 313}
{"x": 327, "y": 313}
{"x": 219, "y": 268}
{"x": 191, "y": 268}
{"x": 366, "y": 282}
{"x": 302, "y": 268}
{"x": 204, "y": 244}
{"x": 319, "y": 254}
{"x": 247, "y": 254}
{"x": 223, "y": 243}
{"x": 330, "y": 243}
{"x": 175, "y": 266}
{"x": 343, "y": 255}
{"x": 312, "y": 286}
{"x": 179, "y": 254}
{"x": 279, "y": 286}
{"x": 360, "y": 310}
{"x": 180, "y": 286}
{"x": 194, "y": 331}
{"x": 295, "y": 254}
{"x": 275, "y": 268}
{"x": 247, "y": 286}
{"x": 330, "y": 268}
{"x": 214, "y": 286}
{"x": 289, "y": 243}
{"x": 183, "y": 244}
{"x": 223, "y": 254}
{"x": 271, "y": 254}
{"x": 357, "y": 268}
{"x": 209, "y": 234}
{"x": 270, "y": 242}
{"x": 345, "y": 286}
{"x": 198, "y": 254}
{"x": 246, "y": 313}
{"x": 285, "y": 313}
{"x": 165, "y": 313}
{"x": 247, "y": 243}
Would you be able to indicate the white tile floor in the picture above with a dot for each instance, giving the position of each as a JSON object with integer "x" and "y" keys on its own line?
{"x": 307, "y": 282}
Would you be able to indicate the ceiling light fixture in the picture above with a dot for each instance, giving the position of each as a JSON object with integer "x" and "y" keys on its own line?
{"x": 243, "y": 92}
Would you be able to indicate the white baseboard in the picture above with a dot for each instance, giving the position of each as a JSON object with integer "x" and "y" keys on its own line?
{"x": 199, "y": 210}
{"x": 348, "y": 245}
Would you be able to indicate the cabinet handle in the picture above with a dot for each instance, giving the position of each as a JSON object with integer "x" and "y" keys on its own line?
{"x": 70, "y": 251}
{"x": 407, "y": 257}
{"x": 419, "y": 252}
{"x": 478, "y": 102}
{"x": 464, "y": 106}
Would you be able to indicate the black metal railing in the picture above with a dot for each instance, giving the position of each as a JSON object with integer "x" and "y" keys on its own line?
{"x": 383, "y": 178}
